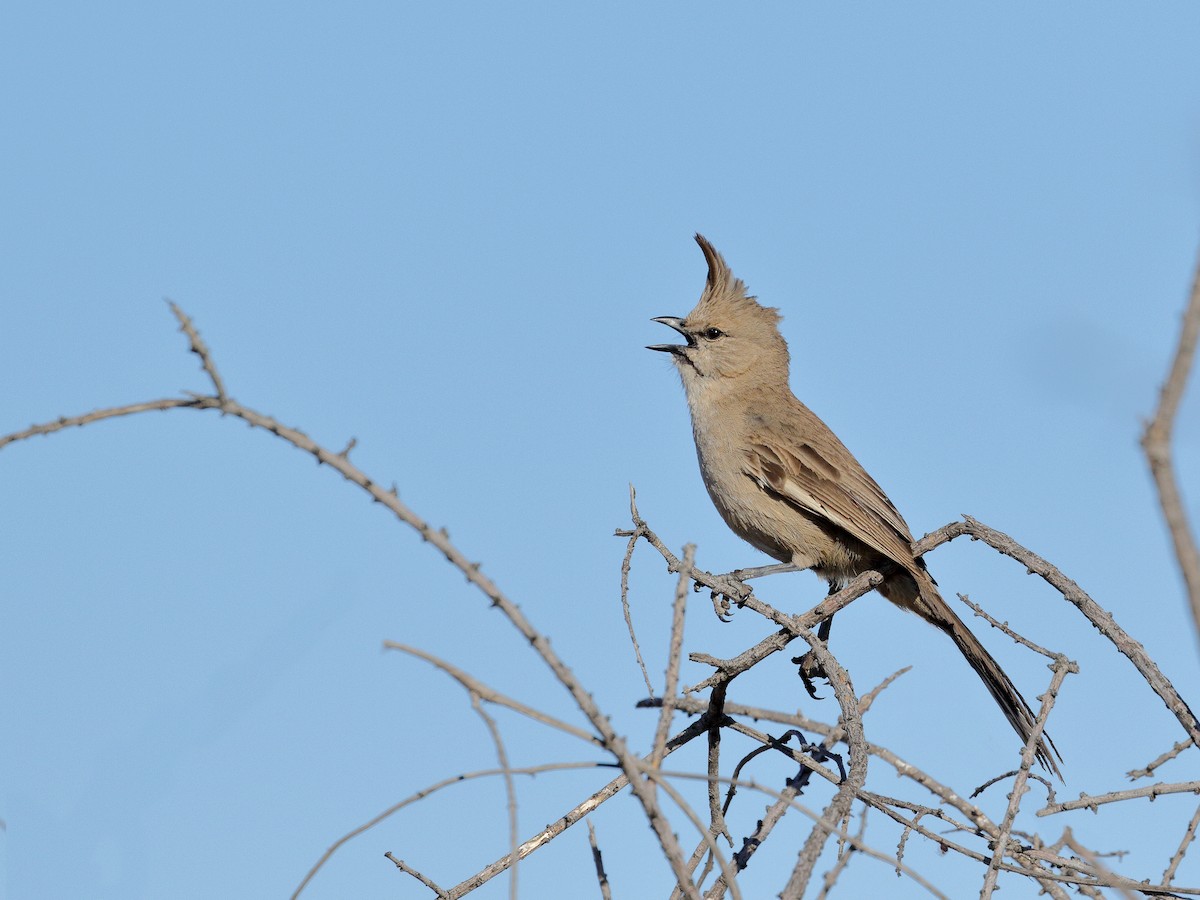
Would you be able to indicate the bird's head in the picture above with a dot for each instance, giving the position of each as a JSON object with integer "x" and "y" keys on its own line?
{"x": 730, "y": 336}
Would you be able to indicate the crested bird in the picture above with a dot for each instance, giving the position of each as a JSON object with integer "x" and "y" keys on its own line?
{"x": 784, "y": 482}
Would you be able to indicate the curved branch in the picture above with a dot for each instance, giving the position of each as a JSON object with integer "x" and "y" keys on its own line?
{"x": 1097, "y": 615}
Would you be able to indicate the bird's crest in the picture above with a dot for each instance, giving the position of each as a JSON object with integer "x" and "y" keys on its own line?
{"x": 726, "y": 294}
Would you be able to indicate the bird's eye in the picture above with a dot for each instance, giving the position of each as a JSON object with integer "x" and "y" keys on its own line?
{"x": 713, "y": 333}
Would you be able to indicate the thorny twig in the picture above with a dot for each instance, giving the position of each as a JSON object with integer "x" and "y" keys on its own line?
{"x": 409, "y": 870}
{"x": 1135, "y": 774}
{"x": 1188, "y": 836}
{"x": 1152, "y": 791}
{"x": 1062, "y": 666}
{"x": 626, "y": 562}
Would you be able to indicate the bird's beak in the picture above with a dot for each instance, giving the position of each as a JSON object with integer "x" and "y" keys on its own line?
{"x": 671, "y": 322}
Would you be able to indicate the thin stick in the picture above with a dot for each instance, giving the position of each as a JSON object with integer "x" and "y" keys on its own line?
{"x": 1004, "y": 627}
{"x": 598, "y": 861}
{"x": 1062, "y": 666}
{"x": 510, "y": 789}
{"x": 1178, "y": 748}
{"x": 1188, "y": 837}
{"x": 421, "y": 795}
{"x": 1153, "y": 791}
{"x": 626, "y": 562}
{"x": 491, "y": 695}
{"x": 409, "y": 870}
{"x": 198, "y": 347}
{"x": 674, "y": 654}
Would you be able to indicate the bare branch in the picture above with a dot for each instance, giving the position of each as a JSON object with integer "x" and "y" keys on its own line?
{"x": 1096, "y": 614}
{"x": 868, "y": 699}
{"x": 510, "y": 788}
{"x": 1188, "y": 837}
{"x": 1030, "y": 861}
{"x": 1128, "y": 891}
{"x": 674, "y": 654}
{"x": 775, "y": 812}
{"x": 1061, "y": 667}
{"x": 1156, "y": 441}
{"x": 1004, "y": 627}
{"x": 1135, "y": 774}
{"x": 625, "y": 565}
{"x": 1089, "y": 802}
{"x": 491, "y": 695}
{"x": 198, "y": 347}
{"x": 794, "y": 785}
{"x": 598, "y": 860}
{"x": 421, "y": 795}
{"x": 112, "y": 412}
{"x": 404, "y": 867}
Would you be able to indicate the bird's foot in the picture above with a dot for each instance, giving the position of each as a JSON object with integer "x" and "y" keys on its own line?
{"x": 722, "y": 607}
{"x": 810, "y": 669}
{"x": 722, "y": 600}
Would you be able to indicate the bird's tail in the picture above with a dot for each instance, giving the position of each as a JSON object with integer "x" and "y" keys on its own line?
{"x": 921, "y": 596}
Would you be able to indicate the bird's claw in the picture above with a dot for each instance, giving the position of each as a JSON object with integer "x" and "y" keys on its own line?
{"x": 721, "y": 606}
{"x": 810, "y": 669}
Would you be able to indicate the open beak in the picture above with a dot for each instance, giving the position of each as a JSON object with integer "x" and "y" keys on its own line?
{"x": 676, "y": 323}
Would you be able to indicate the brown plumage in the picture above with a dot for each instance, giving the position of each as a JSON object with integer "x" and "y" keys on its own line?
{"x": 784, "y": 482}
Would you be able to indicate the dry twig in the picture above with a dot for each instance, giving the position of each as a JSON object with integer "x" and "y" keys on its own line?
{"x": 1178, "y": 748}
{"x": 1156, "y": 441}
{"x": 598, "y": 861}
{"x": 408, "y": 870}
{"x": 510, "y": 788}
{"x": 1152, "y": 792}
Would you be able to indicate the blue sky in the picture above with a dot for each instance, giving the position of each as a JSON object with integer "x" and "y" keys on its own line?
{"x": 443, "y": 229}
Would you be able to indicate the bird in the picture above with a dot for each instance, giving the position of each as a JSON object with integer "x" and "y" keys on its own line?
{"x": 784, "y": 482}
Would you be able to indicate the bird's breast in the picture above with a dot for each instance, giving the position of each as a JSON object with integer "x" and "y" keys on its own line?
{"x": 759, "y": 517}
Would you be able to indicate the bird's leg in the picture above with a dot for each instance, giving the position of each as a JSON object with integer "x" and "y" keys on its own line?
{"x": 810, "y": 666}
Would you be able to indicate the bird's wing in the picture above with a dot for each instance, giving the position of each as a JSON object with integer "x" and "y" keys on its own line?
{"x": 798, "y": 472}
